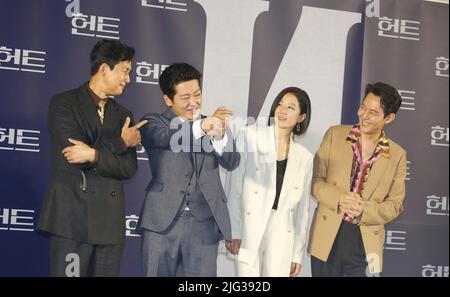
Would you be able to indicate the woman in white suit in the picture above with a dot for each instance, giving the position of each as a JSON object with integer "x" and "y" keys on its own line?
{"x": 269, "y": 193}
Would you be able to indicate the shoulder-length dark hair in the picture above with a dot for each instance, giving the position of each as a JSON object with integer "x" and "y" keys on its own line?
{"x": 303, "y": 102}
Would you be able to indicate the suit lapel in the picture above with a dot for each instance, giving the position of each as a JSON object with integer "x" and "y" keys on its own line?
{"x": 266, "y": 146}
{"x": 89, "y": 112}
{"x": 267, "y": 154}
{"x": 293, "y": 165}
{"x": 375, "y": 176}
{"x": 201, "y": 157}
{"x": 112, "y": 114}
{"x": 346, "y": 161}
{"x": 169, "y": 115}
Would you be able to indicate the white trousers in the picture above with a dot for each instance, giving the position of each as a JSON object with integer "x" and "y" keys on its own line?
{"x": 270, "y": 260}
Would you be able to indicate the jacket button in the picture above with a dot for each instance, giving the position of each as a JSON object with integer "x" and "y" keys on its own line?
{"x": 113, "y": 194}
{"x": 257, "y": 169}
{"x": 375, "y": 232}
{"x": 189, "y": 194}
{"x": 324, "y": 217}
{"x": 249, "y": 213}
{"x": 256, "y": 192}
{"x": 295, "y": 188}
{"x": 182, "y": 192}
{"x": 334, "y": 183}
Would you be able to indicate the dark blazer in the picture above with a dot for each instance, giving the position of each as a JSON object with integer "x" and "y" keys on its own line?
{"x": 171, "y": 173}
{"x": 85, "y": 202}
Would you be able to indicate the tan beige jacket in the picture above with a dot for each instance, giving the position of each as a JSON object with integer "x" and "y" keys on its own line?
{"x": 383, "y": 193}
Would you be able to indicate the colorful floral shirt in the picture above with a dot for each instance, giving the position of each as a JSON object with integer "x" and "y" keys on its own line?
{"x": 361, "y": 169}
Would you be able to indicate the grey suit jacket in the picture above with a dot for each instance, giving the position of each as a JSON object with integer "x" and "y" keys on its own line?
{"x": 171, "y": 170}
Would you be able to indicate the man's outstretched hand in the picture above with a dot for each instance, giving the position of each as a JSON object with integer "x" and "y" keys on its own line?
{"x": 131, "y": 135}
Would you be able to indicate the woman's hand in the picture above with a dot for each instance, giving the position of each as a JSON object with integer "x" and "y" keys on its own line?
{"x": 295, "y": 269}
{"x": 233, "y": 246}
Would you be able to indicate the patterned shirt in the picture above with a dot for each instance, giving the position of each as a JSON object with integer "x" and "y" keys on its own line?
{"x": 360, "y": 168}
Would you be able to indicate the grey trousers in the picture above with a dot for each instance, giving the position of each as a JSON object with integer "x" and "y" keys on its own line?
{"x": 72, "y": 258}
{"x": 187, "y": 248}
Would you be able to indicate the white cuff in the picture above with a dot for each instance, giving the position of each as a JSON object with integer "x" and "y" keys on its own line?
{"x": 197, "y": 130}
{"x": 219, "y": 145}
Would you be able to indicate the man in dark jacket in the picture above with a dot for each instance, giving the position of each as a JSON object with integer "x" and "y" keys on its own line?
{"x": 92, "y": 151}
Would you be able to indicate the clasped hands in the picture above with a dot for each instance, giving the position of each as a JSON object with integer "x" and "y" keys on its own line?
{"x": 352, "y": 204}
{"x": 80, "y": 152}
{"x": 216, "y": 124}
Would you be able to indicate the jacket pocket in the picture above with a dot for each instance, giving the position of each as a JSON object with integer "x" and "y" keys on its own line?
{"x": 247, "y": 256}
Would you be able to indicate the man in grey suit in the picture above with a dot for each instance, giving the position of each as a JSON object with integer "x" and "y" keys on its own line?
{"x": 185, "y": 215}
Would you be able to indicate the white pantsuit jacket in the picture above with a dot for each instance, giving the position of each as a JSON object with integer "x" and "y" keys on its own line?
{"x": 251, "y": 190}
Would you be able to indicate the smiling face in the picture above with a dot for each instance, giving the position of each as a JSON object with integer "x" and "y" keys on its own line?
{"x": 116, "y": 79}
{"x": 371, "y": 116}
{"x": 187, "y": 100}
{"x": 288, "y": 113}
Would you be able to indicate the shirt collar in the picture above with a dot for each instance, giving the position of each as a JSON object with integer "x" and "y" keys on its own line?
{"x": 184, "y": 120}
{"x": 94, "y": 96}
{"x": 383, "y": 142}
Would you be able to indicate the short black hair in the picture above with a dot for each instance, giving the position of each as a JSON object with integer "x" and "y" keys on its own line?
{"x": 303, "y": 102}
{"x": 176, "y": 74}
{"x": 390, "y": 98}
{"x": 110, "y": 52}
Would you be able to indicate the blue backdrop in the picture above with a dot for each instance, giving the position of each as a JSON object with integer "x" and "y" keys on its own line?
{"x": 248, "y": 51}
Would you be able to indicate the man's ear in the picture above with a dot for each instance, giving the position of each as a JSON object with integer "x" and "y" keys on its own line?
{"x": 389, "y": 119}
{"x": 103, "y": 69}
{"x": 168, "y": 101}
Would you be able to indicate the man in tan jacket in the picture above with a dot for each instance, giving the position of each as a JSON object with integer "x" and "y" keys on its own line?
{"x": 359, "y": 183}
